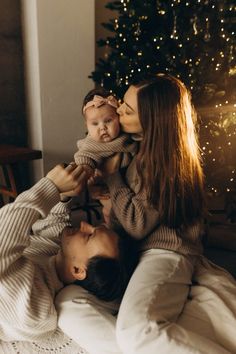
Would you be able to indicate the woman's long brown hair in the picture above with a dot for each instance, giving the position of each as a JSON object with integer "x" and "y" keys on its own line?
{"x": 169, "y": 160}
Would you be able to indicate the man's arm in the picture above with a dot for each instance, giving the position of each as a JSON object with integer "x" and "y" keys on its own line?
{"x": 27, "y": 288}
{"x": 23, "y": 317}
{"x": 17, "y": 218}
{"x": 52, "y": 226}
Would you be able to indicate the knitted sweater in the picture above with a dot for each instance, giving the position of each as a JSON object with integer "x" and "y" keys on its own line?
{"x": 132, "y": 211}
{"x": 92, "y": 153}
{"x": 28, "y": 279}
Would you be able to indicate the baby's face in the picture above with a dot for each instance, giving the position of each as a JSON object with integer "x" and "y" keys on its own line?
{"x": 102, "y": 123}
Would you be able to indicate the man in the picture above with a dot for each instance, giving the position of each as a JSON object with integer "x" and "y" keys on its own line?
{"x": 40, "y": 252}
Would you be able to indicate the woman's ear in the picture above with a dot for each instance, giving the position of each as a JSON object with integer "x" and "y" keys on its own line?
{"x": 79, "y": 273}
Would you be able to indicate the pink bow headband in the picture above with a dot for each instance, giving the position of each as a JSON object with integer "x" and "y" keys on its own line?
{"x": 99, "y": 101}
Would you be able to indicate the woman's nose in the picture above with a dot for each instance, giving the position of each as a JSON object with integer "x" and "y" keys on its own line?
{"x": 118, "y": 110}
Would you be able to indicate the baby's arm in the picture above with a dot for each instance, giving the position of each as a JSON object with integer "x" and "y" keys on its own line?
{"x": 93, "y": 153}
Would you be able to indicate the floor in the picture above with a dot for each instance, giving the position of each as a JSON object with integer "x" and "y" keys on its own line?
{"x": 222, "y": 257}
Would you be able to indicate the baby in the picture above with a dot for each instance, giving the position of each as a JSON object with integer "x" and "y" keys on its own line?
{"x": 104, "y": 138}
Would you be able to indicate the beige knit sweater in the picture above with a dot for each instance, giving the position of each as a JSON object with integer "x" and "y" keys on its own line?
{"x": 131, "y": 210}
{"x": 28, "y": 279}
{"x": 93, "y": 153}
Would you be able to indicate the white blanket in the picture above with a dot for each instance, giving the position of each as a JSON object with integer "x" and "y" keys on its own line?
{"x": 210, "y": 311}
{"x": 58, "y": 343}
{"x": 211, "y": 308}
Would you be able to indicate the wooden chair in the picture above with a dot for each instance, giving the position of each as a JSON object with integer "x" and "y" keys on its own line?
{"x": 11, "y": 158}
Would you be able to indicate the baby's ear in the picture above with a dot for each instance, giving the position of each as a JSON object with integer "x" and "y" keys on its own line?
{"x": 85, "y": 227}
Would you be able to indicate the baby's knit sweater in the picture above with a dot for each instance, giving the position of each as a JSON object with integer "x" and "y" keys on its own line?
{"x": 93, "y": 153}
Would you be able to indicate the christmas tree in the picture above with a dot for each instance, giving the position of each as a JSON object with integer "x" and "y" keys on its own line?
{"x": 193, "y": 40}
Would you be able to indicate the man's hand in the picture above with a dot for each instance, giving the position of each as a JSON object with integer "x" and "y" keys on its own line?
{"x": 69, "y": 180}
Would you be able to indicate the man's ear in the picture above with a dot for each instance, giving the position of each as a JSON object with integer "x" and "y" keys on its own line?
{"x": 79, "y": 273}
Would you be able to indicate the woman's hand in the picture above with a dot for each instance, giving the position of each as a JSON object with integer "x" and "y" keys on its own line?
{"x": 111, "y": 165}
{"x": 99, "y": 191}
{"x": 95, "y": 178}
{"x": 106, "y": 210}
{"x": 69, "y": 180}
{"x": 96, "y": 185}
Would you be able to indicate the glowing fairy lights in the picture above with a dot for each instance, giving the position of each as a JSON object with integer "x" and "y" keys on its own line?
{"x": 218, "y": 144}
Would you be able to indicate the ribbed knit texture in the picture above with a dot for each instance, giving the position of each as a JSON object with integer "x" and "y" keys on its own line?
{"x": 29, "y": 241}
{"x": 132, "y": 211}
{"x": 93, "y": 153}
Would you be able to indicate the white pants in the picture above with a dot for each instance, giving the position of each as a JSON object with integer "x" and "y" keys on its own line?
{"x": 148, "y": 315}
{"x": 152, "y": 304}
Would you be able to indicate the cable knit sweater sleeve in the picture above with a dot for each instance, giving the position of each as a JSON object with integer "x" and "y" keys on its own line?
{"x": 48, "y": 229}
{"x": 28, "y": 286}
{"x": 133, "y": 212}
{"x": 93, "y": 153}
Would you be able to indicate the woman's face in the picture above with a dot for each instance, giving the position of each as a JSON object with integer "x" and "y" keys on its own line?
{"x": 128, "y": 112}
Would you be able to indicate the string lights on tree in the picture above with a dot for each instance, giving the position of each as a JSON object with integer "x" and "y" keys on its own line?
{"x": 218, "y": 143}
{"x": 195, "y": 40}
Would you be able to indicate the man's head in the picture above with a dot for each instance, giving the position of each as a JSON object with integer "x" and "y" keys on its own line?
{"x": 95, "y": 258}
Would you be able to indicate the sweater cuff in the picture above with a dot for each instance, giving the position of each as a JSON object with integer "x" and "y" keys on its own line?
{"x": 62, "y": 207}
{"x": 87, "y": 161}
{"x": 44, "y": 195}
{"x": 65, "y": 199}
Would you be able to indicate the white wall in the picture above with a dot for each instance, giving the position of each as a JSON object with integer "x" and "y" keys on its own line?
{"x": 102, "y": 15}
{"x": 59, "y": 39}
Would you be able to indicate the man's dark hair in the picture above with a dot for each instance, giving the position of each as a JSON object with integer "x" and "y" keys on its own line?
{"x": 107, "y": 278}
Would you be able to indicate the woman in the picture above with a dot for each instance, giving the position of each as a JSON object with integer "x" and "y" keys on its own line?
{"x": 159, "y": 202}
